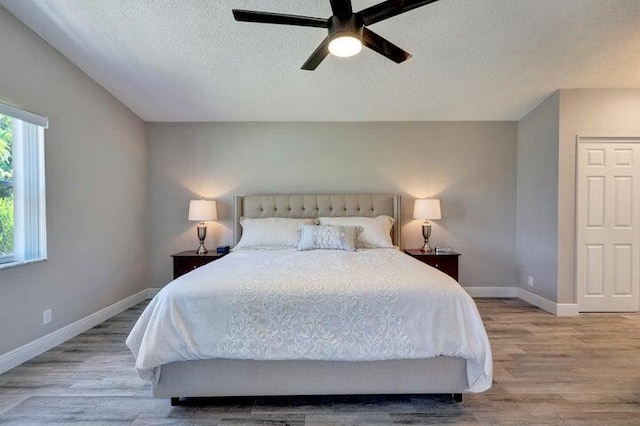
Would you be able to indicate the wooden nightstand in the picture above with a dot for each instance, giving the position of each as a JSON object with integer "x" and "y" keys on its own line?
{"x": 188, "y": 260}
{"x": 446, "y": 262}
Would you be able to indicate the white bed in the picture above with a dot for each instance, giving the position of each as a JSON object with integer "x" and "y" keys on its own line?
{"x": 288, "y": 322}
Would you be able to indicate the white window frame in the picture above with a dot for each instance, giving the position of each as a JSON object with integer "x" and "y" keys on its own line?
{"x": 29, "y": 195}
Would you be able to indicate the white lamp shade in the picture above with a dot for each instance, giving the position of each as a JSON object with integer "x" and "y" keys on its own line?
{"x": 426, "y": 208}
{"x": 202, "y": 210}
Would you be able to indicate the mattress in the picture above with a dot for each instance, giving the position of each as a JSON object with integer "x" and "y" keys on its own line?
{"x": 325, "y": 305}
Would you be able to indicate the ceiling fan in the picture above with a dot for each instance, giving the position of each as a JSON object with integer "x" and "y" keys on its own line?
{"x": 347, "y": 29}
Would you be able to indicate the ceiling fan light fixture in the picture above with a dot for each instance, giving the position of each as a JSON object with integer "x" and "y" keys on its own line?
{"x": 348, "y": 30}
{"x": 345, "y": 46}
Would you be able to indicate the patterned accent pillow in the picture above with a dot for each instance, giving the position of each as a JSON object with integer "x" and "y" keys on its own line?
{"x": 314, "y": 237}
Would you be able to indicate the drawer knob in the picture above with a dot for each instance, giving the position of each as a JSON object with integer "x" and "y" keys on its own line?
{"x": 437, "y": 265}
{"x": 194, "y": 266}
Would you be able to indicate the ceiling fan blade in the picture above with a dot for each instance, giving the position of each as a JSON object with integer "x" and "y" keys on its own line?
{"x": 389, "y": 8}
{"x": 279, "y": 18}
{"x": 317, "y": 56}
{"x": 341, "y": 8}
{"x": 384, "y": 47}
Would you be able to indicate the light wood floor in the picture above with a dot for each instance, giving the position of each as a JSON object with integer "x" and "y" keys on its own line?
{"x": 548, "y": 371}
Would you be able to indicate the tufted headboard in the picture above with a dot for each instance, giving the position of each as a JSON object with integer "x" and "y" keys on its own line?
{"x": 314, "y": 205}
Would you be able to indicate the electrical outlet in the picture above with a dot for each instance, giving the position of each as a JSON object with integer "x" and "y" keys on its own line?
{"x": 530, "y": 281}
{"x": 46, "y": 317}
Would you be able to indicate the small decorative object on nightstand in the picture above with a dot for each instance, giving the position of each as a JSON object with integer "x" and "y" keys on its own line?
{"x": 201, "y": 211}
{"x": 426, "y": 208}
{"x": 187, "y": 261}
{"x": 445, "y": 262}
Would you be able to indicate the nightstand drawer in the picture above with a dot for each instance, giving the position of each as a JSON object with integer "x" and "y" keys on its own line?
{"x": 447, "y": 263}
{"x": 187, "y": 261}
{"x": 181, "y": 265}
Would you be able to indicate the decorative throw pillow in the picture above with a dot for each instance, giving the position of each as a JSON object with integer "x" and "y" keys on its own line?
{"x": 270, "y": 233}
{"x": 314, "y": 237}
{"x": 376, "y": 231}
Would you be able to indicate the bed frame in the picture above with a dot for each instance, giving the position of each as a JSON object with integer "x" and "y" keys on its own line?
{"x": 229, "y": 377}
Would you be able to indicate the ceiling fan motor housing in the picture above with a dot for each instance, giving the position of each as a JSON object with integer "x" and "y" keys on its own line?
{"x": 345, "y": 26}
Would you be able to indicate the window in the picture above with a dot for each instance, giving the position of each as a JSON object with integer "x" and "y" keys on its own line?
{"x": 22, "y": 190}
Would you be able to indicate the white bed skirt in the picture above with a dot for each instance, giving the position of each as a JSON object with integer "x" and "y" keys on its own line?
{"x": 228, "y": 377}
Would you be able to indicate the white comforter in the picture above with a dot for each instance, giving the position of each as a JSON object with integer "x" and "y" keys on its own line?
{"x": 377, "y": 304}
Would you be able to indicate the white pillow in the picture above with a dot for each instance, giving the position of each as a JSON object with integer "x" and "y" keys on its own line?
{"x": 270, "y": 233}
{"x": 376, "y": 231}
{"x": 314, "y": 237}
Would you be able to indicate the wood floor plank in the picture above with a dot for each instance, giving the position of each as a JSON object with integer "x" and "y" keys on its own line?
{"x": 547, "y": 371}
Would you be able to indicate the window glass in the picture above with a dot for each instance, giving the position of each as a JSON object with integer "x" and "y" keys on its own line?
{"x": 6, "y": 188}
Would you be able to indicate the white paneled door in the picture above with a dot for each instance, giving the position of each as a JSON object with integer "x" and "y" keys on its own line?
{"x": 608, "y": 226}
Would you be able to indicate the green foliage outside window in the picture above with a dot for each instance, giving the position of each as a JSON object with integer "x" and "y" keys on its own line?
{"x": 6, "y": 225}
{"x": 6, "y": 189}
{"x": 6, "y": 161}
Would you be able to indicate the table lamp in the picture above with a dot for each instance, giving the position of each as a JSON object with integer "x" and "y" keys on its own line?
{"x": 201, "y": 211}
{"x": 426, "y": 208}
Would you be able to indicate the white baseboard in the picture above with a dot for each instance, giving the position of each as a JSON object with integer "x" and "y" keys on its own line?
{"x": 567, "y": 310}
{"x": 32, "y": 349}
{"x": 152, "y": 291}
{"x": 559, "y": 309}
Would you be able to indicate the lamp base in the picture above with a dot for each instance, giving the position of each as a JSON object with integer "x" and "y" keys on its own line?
{"x": 426, "y": 233}
{"x": 202, "y": 234}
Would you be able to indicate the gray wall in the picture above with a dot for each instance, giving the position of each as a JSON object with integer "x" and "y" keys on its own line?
{"x": 471, "y": 166}
{"x": 537, "y": 205}
{"x": 546, "y": 179}
{"x": 585, "y": 113}
{"x": 96, "y": 192}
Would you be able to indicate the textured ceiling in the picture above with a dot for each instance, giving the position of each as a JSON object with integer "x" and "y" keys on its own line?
{"x": 188, "y": 60}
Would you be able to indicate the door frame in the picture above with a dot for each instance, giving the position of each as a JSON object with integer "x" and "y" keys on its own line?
{"x": 578, "y": 287}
